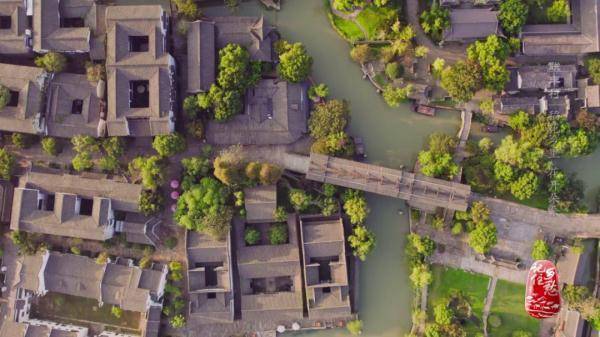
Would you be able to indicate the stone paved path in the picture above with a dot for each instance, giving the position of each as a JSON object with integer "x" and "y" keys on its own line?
{"x": 488, "y": 303}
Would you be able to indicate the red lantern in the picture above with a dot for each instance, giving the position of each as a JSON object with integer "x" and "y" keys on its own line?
{"x": 542, "y": 296}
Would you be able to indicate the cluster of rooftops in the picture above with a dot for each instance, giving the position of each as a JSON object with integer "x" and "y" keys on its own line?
{"x": 472, "y": 20}
{"x": 84, "y": 207}
{"x": 139, "y": 95}
{"x": 269, "y": 281}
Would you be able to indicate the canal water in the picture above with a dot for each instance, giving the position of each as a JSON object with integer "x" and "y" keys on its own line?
{"x": 393, "y": 137}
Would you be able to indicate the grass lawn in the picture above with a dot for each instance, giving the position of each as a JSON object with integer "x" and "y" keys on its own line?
{"x": 373, "y": 18}
{"x": 68, "y": 308}
{"x": 473, "y": 287}
{"x": 346, "y": 28}
{"x": 508, "y": 304}
{"x": 538, "y": 200}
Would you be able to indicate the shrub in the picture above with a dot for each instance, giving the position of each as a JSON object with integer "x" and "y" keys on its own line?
{"x": 178, "y": 321}
{"x": 75, "y": 250}
{"x": 315, "y": 92}
{"x": 52, "y": 62}
{"x": 457, "y": 228}
{"x": 109, "y": 164}
{"x": 94, "y": 71}
{"x": 280, "y": 214}
{"x": 7, "y": 164}
{"x": 495, "y": 321}
{"x": 354, "y": 327}
{"x": 116, "y": 311}
{"x": 169, "y": 145}
{"x": 361, "y": 53}
{"x": 251, "y": 236}
{"x": 521, "y": 333}
{"x": 151, "y": 202}
{"x": 541, "y": 250}
{"x": 102, "y": 258}
{"x": 278, "y": 234}
{"x": 20, "y": 140}
{"x": 50, "y": 146}
{"x": 4, "y": 96}
{"x": 187, "y": 8}
{"x": 171, "y": 242}
{"x": 299, "y": 199}
{"x": 191, "y": 107}
{"x": 82, "y": 161}
{"x": 362, "y": 242}
{"x": 145, "y": 262}
{"x": 393, "y": 70}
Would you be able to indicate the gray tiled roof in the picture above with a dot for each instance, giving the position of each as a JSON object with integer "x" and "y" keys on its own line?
{"x": 62, "y": 91}
{"x": 123, "y": 66}
{"x": 471, "y": 24}
{"x": 201, "y": 56}
{"x": 276, "y": 112}
{"x": 6, "y": 196}
{"x": 249, "y": 31}
{"x": 577, "y": 37}
{"x": 541, "y": 77}
{"x": 260, "y": 203}
{"x": 28, "y": 82}
{"x": 48, "y": 35}
{"x": 12, "y": 41}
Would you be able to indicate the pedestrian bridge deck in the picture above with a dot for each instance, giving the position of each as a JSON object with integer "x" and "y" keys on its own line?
{"x": 408, "y": 186}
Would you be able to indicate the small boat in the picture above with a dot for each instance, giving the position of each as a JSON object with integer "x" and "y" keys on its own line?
{"x": 425, "y": 110}
{"x": 359, "y": 146}
{"x": 490, "y": 128}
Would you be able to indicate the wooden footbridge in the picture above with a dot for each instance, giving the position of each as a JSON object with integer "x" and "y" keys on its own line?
{"x": 418, "y": 190}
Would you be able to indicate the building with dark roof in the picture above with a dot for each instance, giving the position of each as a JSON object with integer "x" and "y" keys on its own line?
{"x": 209, "y": 279}
{"x": 275, "y": 113}
{"x": 23, "y": 112}
{"x": 140, "y": 72}
{"x": 468, "y": 25}
{"x": 67, "y": 26}
{"x": 579, "y": 36}
{"x": 206, "y": 37}
{"x": 547, "y": 78}
{"x": 506, "y": 105}
{"x": 260, "y": 203}
{"x": 325, "y": 269}
{"x": 6, "y": 196}
{"x": 15, "y": 37}
{"x": 48, "y": 202}
{"x": 270, "y": 276}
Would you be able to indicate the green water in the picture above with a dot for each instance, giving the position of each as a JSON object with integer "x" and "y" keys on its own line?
{"x": 392, "y": 137}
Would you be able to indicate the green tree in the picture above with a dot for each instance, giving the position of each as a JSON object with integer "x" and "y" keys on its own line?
{"x": 434, "y": 21}
{"x": 490, "y": 55}
{"x": 294, "y": 64}
{"x": 441, "y": 165}
{"x": 339, "y": 144}
{"x": 559, "y": 11}
{"x": 421, "y": 51}
{"x": 226, "y": 103}
{"x": 393, "y": 70}
{"x": 318, "y": 91}
{"x": 574, "y": 295}
{"x": 519, "y": 121}
{"x": 393, "y": 96}
{"x": 234, "y": 66}
{"x": 49, "y": 146}
{"x": 19, "y": 140}
{"x": 151, "y": 202}
{"x": 116, "y": 311}
{"x": 82, "y": 161}
{"x": 362, "y": 241}
{"x": 102, "y": 258}
{"x": 593, "y": 67}
{"x": 442, "y": 314}
{"x": 51, "y": 62}
{"x": 191, "y": 105}
{"x": 299, "y": 199}
{"x": 423, "y": 245}
{"x": 7, "y": 164}
{"x": 483, "y": 238}
{"x": 188, "y": 9}
{"x": 354, "y": 327}
{"x": 512, "y": 16}
{"x": 278, "y": 234}
{"x": 229, "y": 166}
{"x": 194, "y": 168}
{"x": 462, "y": 80}
{"x": 432, "y": 330}
{"x": 177, "y": 322}
{"x": 355, "y": 206}
{"x": 4, "y": 96}
{"x": 362, "y": 53}
{"x": 328, "y": 118}
{"x": 169, "y": 145}
{"x": 525, "y": 186}
{"x": 420, "y": 276}
{"x": 251, "y": 236}
{"x": 521, "y": 333}
{"x": 150, "y": 170}
{"x": 540, "y": 250}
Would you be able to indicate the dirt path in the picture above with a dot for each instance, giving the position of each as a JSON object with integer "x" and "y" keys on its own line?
{"x": 488, "y": 303}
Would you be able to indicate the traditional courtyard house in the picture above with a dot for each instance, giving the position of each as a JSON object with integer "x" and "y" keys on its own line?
{"x": 117, "y": 284}
{"x": 270, "y": 275}
{"x": 325, "y": 269}
{"x": 206, "y": 37}
{"x": 506, "y": 105}
{"x": 140, "y": 72}
{"x": 275, "y": 113}
{"x": 23, "y": 112}
{"x": 80, "y": 207}
{"x": 73, "y": 106}
{"x": 578, "y": 36}
{"x": 69, "y": 26}
{"x": 543, "y": 78}
{"x": 15, "y": 35}
{"x": 468, "y": 25}
{"x": 209, "y": 279}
